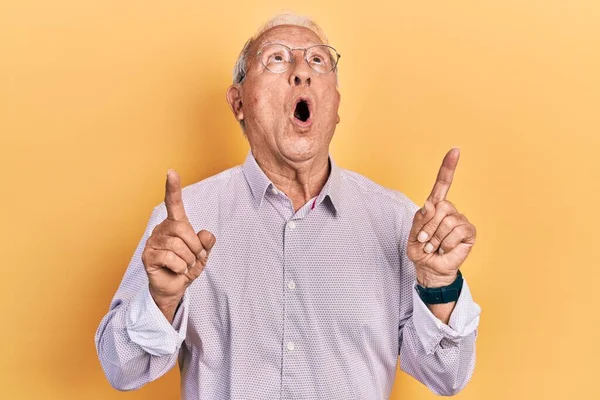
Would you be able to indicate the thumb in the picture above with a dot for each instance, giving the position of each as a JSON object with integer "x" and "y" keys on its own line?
{"x": 422, "y": 216}
{"x": 207, "y": 240}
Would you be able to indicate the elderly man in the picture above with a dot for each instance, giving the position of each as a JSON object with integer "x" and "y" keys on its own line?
{"x": 289, "y": 277}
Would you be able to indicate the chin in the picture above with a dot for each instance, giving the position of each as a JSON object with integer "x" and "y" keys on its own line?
{"x": 301, "y": 146}
{"x": 300, "y": 149}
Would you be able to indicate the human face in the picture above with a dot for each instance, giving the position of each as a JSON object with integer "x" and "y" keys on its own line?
{"x": 276, "y": 121}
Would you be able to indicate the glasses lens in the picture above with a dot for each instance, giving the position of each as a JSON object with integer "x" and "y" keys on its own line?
{"x": 321, "y": 58}
{"x": 275, "y": 57}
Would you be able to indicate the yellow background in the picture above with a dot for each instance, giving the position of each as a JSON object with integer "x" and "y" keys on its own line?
{"x": 99, "y": 99}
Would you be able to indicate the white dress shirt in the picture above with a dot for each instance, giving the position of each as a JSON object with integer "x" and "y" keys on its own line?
{"x": 313, "y": 304}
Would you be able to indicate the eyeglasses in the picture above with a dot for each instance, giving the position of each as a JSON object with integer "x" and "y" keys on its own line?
{"x": 278, "y": 58}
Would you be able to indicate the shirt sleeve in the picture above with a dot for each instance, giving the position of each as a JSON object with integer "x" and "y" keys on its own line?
{"x": 135, "y": 343}
{"x": 440, "y": 356}
{"x": 147, "y": 326}
{"x": 430, "y": 330}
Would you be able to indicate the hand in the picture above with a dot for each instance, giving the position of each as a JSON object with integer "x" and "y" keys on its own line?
{"x": 441, "y": 237}
{"x": 174, "y": 254}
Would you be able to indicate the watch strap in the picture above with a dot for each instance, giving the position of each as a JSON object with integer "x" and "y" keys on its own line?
{"x": 441, "y": 295}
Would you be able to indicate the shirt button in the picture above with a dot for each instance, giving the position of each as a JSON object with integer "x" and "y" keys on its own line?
{"x": 292, "y": 224}
{"x": 290, "y": 346}
{"x": 274, "y": 190}
{"x": 292, "y": 284}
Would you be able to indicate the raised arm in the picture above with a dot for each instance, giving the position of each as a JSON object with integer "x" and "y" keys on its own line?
{"x": 138, "y": 340}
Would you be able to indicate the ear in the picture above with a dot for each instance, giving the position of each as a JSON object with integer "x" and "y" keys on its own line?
{"x": 339, "y": 101}
{"x": 234, "y": 98}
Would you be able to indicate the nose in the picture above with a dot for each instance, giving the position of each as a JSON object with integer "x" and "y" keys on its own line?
{"x": 301, "y": 72}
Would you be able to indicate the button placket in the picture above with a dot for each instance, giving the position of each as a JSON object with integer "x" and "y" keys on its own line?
{"x": 290, "y": 334}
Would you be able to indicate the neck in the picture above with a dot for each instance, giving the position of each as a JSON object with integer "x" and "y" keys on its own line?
{"x": 300, "y": 181}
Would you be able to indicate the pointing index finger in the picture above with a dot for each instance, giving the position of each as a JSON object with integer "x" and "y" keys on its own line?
{"x": 445, "y": 176}
{"x": 173, "y": 201}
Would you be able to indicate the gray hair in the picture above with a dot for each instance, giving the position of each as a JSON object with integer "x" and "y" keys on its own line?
{"x": 240, "y": 68}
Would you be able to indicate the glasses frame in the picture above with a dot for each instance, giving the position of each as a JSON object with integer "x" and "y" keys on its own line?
{"x": 305, "y": 49}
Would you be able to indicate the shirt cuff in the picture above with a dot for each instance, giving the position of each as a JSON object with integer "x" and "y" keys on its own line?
{"x": 431, "y": 330}
{"x": 147, "y": 326}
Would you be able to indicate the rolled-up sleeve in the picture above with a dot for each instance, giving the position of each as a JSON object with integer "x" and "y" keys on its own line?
{"x": 147, "y": 326}
{"x": 135, "y": 343}
{"x": 430, "y": 330}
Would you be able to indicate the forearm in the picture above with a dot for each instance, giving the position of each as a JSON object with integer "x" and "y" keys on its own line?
{"x": 442, "y": 311}
{"x": 167, "y": 306}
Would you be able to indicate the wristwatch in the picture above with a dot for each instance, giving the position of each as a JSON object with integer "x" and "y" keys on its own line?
{"x": 440, "y": 295}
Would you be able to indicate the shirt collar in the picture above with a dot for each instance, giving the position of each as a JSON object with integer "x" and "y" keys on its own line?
{"x": 259, "y": 183}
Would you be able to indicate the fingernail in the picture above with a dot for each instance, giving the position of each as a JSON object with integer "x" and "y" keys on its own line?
{"x": 422, "y": 236}
{"x": 169, "y": 171}
{"x": 202, "y": 254}
{"x": 424, "y": 208}
{"x": 441, "y": 251}
{"x": 428, "y": 248}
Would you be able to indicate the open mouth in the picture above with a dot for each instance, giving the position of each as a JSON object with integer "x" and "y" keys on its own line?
{"x": 302, "y": 111}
